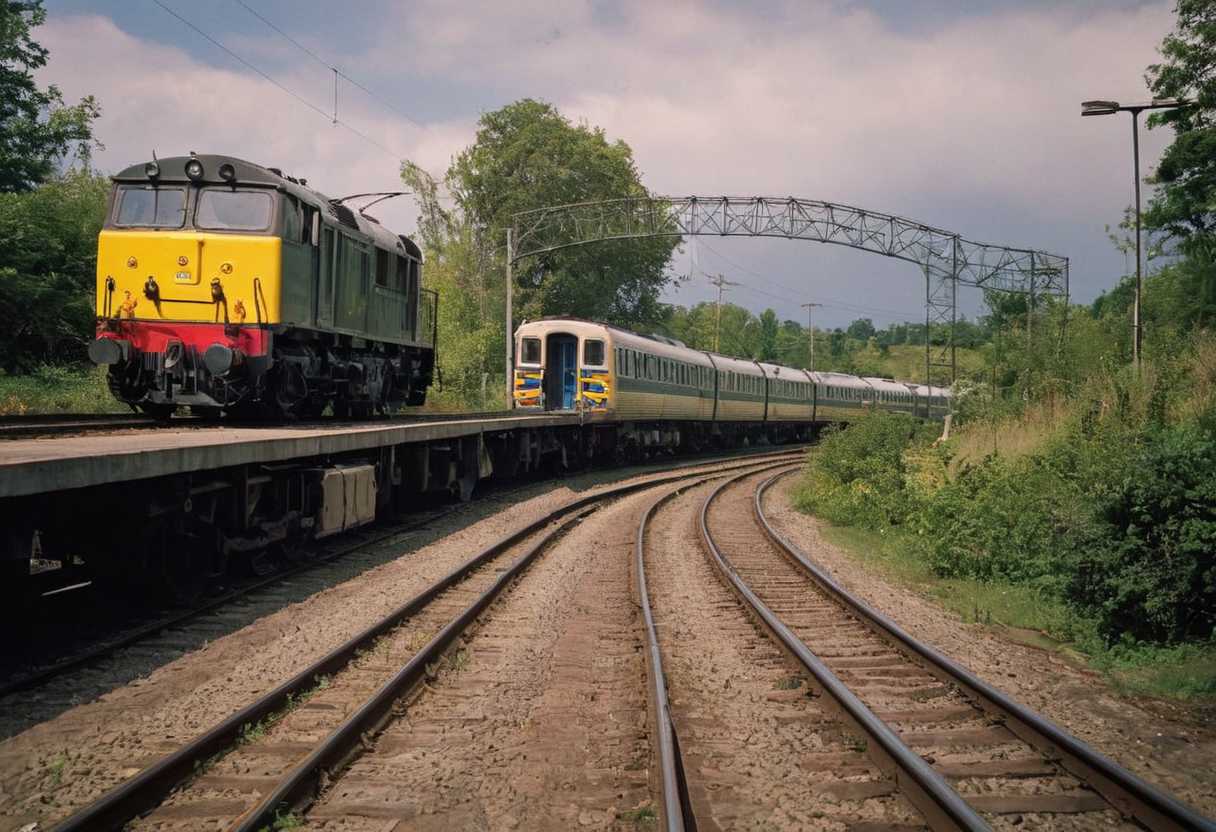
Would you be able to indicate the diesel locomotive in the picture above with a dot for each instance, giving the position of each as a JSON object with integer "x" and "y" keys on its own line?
{"x": 643, "y": 391}
{"x": 236, "y": 289}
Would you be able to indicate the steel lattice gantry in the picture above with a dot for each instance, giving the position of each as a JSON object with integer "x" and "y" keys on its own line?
{"x": 946, "y": 258}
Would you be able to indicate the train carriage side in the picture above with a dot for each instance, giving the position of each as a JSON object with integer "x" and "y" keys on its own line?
{"x": 891, "y": 396}
{"x": 840, "y": 397}
{"x": 741, "y": 389}
{"x": 661, "y": 380}
{"x": 791, "y": 396}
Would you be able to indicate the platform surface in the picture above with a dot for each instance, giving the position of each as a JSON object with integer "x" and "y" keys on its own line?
{"x": 38, "y": 466}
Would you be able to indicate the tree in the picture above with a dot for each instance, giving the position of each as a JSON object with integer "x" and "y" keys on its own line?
{"x": 862, "y": 329}
{"x": 527, "y": 155}
{"x": 37, "y": 130}
{"x": 768, "y": 336}
{"x": 47, "y": 269}
{"x": 793, "y": 346}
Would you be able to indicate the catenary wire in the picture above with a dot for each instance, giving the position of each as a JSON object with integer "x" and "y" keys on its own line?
{"x": 383, "y": 101}
{"x": 281, "y": 86}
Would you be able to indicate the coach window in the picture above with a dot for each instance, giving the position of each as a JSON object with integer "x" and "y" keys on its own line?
{"x": 530, "y": 354}
{"x": 593, "y": 352}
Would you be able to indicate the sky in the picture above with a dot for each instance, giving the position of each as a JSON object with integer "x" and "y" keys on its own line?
{"x": 963, "y": 115}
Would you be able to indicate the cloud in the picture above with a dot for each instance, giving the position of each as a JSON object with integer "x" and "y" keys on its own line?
{"x": 157, "y": 97}
{"x": 970, "y": 123}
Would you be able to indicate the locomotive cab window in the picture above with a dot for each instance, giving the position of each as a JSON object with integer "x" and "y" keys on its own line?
{"x": 593, "y": 352}
{"x": 530, "y": 354}
{"x": 293, "y": 221}
{"x": 149, "y": 207}
{"x": 223, "y": 209}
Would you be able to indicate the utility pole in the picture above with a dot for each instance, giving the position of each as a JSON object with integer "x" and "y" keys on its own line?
{"x": 721, "y": 282}
{"x": 510, "y": 335}
{"x": 810, "y": 326}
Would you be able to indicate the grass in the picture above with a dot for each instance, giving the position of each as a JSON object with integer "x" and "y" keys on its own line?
{"x": 1026, "y": 615}
{"x": 643, "y": 817}
{"x": 52, "y": 389}
{"x": 1012, "y": 437}
{"x": 56, "y": 769}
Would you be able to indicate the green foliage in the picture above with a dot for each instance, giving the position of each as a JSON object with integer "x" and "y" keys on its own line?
{"x": 527, "y": 155}
{"x": 58, "y": 389}
{"x": 1114, "y": 514}
{"x": 858, "y": 476}
{"x": 37, "y": 130}
{"x": 47, "y": 269}
{"x": 1152, "y": 574}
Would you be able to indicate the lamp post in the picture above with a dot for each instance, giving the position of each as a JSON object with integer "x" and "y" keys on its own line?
{"x": 1107, "y": 108}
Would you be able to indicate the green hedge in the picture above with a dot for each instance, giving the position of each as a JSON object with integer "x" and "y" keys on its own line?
{"x": 1118, "y": 522}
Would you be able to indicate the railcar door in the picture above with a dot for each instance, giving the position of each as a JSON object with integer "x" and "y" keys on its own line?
{"x": 561, "y": 371}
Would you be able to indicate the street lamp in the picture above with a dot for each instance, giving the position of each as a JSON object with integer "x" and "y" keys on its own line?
{"x": 1107, "y": 108}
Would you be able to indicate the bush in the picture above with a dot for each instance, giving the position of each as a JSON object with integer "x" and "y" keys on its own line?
{"x": 859, "y": 476}
{"x": 1152, "y": 574}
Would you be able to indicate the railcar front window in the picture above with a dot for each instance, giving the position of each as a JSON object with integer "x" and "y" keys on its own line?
{"x": 531, "y": 351}
{"x": 593, "y": 353}
{"x": 220, "y": 209}
{"x": 149, "y": 207}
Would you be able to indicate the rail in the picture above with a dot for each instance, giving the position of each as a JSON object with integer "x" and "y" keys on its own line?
{"x": 1124, "y": 790}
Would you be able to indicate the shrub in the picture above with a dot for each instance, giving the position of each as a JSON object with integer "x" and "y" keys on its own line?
{"x": 1152, "y": 574}
{"x": 858, "y": 476}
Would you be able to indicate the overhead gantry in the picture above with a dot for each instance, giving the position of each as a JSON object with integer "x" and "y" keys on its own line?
{"x": 946, "y": 258}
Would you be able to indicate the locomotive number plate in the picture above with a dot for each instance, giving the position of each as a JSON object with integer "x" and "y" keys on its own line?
{"x": 182, "y": 277}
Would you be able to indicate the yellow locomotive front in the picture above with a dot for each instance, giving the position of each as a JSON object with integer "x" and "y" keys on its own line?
{"x": 189, "y": 279}
{"x": 232, "y": 288}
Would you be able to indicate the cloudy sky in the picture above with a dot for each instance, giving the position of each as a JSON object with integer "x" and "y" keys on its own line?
{"x": 962, "y": 115}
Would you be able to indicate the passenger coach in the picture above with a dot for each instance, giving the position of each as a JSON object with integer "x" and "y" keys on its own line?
{"x": 645, "y": 391}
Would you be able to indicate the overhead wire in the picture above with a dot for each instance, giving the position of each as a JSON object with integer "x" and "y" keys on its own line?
{"x": 829, "y": 302}
{"x": 383, "y": 101}
{"x": 265, "y": 75}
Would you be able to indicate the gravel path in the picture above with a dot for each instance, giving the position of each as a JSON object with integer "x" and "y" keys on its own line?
{"x": 761, "y": 749}
{"x": 1170, "y": 745}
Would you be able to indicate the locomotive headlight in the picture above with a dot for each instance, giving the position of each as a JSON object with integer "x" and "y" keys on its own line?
{"x": 227, "y": 172}
{"x": 194, "y": 170}
{"x": 152, "y": 170}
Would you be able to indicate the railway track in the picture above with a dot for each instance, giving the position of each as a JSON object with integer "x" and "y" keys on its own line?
{"x": 234, "y": 777}
{"x": 964, "y": 754}
{"x": 171, "y": 633}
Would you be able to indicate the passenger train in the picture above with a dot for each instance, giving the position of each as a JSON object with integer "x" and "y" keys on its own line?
{"x": 233, "y": 288}
{"x": 656, "y": 391}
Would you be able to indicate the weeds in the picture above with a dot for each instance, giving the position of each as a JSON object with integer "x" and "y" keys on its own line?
{"x": 55, "y": 769}
{"x": 643, "y": 817}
